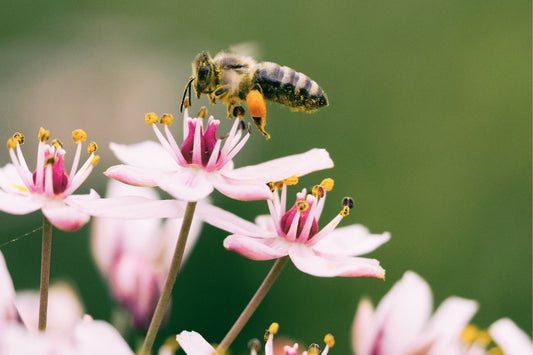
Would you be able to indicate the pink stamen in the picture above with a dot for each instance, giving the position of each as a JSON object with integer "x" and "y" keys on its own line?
{"x": 176, "y": 152}
{"x": 198, "y": 144}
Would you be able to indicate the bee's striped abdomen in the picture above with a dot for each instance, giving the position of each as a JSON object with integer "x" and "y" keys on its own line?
{"x": 288, "y": 87}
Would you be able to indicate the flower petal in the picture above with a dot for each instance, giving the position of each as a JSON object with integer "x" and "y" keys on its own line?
{"x": 10, "y": 180}
{"x": 147, "y": 154}
{"x": 229, "y": 222}
{"x": 129, "y": 207}
{"x": 189, "y": 184}
{"x": 257, "y": 248}
{"x": 8, "y": 312}
{"x": 97, "y": 337}
{"x": 513, "y": 340}
{"x": 443, "y": 331}
{"x": 402, "y": 314}
{"x": 351, "y": 240}
{"x": 194, "y": 344}
{"x": 362, "y": 328}
{"x": 18, "y": 204}
{"x": 132, "y": 175}
{"x": 325, "y": 265}
{"x": 281, "y": 168}
{"x": 65, "y": 217}
{"x": 241, "y": 189}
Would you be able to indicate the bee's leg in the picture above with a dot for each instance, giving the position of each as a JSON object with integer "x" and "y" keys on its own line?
{"x": 212, "y": 99}
{"x": 257, "y": 109}
{"x": 230, "y": 109}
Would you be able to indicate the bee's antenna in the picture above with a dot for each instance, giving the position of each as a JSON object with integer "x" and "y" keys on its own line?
{"x": 188, "y": 86}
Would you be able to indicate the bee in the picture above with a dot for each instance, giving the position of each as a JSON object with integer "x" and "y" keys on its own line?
{"x": 233, "y": 78}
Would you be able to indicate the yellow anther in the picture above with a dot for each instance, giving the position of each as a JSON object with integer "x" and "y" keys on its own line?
{"x": 469, "y": 334}
{"x": 95, "y": 160}
{"x": 19, "y": 137}
{"x": 345, "y": 211}
{"x": 56, "y": 143}
{"x": 314, "y": 349}
{"x": 43, "y": 135}
{"x": 167, "y": 119}
{"x": 202, "y": 113}
{"x": 302, "y": 206}
{"x": 273, "y": 329}
{"x": 79, "y": 135}
{"x": 290, "y": 181}
{"x": 318, "y": 191}
{"x": 186, "y": 103}
{"x": 12, "y": 143}
{"x": 275, "y": 185}
{"x": 150, "y": 118}
{"x": 327, "y": 184}
{"x": 329, "y": 340}
{"x": 92, "y": 148}
{"x": 483, "y": 338}
{"x": 348, "y": 202}
{"x": 50, "y": 161}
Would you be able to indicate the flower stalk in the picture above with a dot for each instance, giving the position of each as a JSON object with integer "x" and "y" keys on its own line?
{"x": 171, "y": 279}
{"x": 253, "y": 304}
{"x": 46, "y": 253}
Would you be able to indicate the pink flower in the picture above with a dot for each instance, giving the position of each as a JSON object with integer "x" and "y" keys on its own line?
{"x": 203, "y": 162}
{"x": 67, "y": 333}
{"x": 402, "y": 325}
{"x": 49, "y": 187}
{"x": 194, "y": 344}
{"x": 295, "y": 232}
{"x": 135, "y": 255}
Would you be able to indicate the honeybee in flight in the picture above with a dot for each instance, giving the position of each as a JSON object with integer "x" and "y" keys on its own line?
{"x": 233, "y": 78}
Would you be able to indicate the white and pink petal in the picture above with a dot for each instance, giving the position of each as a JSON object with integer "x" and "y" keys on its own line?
{"x": 257, "y": 248}
{"x": 147, "y": 154}
{"x": 18, "y": 204}
{"x": 325, "y": 265}
{"x": 350, "y": 240}
{"x": 64, "y": 217}
{"x": 194, "y": 344}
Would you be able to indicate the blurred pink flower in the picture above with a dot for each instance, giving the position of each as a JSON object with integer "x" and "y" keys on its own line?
{"x": 325, "y": 252}
{"x": 49, "y": 187}
{"x": 135, "y": 256}
{"x": 402, "y": 325}
{"x": 192, "y": 170}
{"x": 194, "y": 344}
{"x": 67, "y": 333}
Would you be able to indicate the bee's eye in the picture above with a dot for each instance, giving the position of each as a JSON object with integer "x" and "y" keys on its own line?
{"x": 203, "y": 72}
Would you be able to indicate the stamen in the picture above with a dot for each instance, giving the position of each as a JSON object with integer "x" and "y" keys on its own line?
{"x": 273, "y": 329}
{"x": 56, "y": 143}
{"x": 12, "y": 143}
{"x": 19, "y": 137}
{"x": 314, "y": 349}
{"x": 150, "y": 118}
{"x": 166, "y": 119}
{"x": 348, "y": 201}
{"x": 327, "y": 184}
{"x": 318, "y": 191}
{"x": 43, "y": 135}
{"x": 202, "y": 113}
{"x": 79, "y": 135}
{"x": 92, "y": 148}
{"x": 290, "y": 181}
{"x": 329, "y": 340}
{"x": 345, "y": 211}
{"x": 254, "y": 345}
{"x": 495, "y": 351}
{"x": 50, "y": 161}
{"x": 271, "y": 185}
{"x": 95, "y": 160}
{"x": 302, "y": 206}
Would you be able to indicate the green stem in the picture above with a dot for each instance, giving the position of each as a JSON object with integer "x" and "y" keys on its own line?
{"x": 169, "y": 282}
{"x": 46, "y": 253}
{"x": 253, "y": 304}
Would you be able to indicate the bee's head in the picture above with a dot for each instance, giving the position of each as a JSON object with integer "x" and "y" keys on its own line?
{"x": 204, "y": 72}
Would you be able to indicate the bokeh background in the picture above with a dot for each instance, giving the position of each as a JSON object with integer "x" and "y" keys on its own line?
{"x": 429, "y": 125}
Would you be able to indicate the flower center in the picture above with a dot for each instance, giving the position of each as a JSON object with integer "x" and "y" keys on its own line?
{"x": 289, "y": 222}
{"x": 59, "y": 175}
{"x": 206, "y": 139}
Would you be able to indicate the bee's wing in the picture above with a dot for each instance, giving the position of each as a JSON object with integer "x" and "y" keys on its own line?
{"x": 249, "y": 49}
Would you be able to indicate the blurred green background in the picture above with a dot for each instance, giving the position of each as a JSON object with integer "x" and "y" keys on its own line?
{"x": 429, "y": 125}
